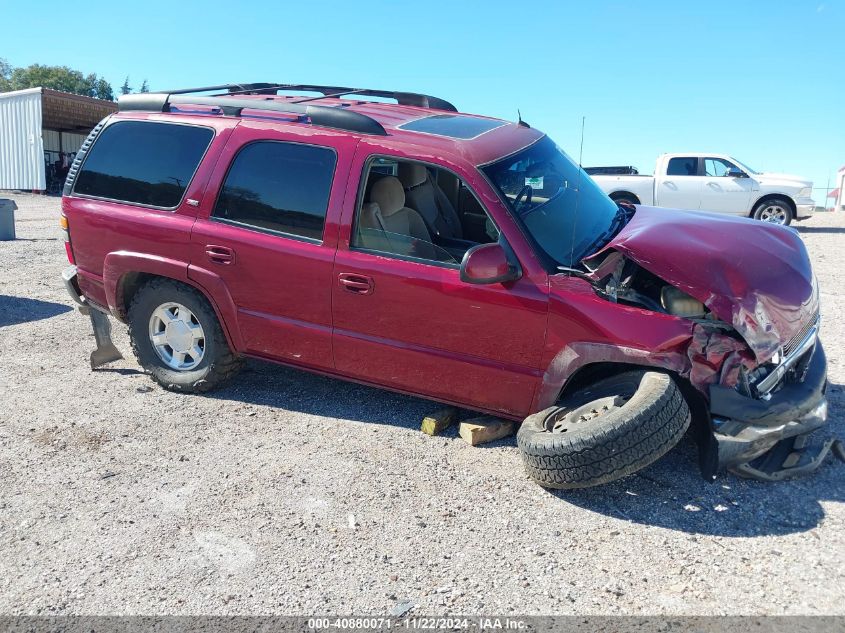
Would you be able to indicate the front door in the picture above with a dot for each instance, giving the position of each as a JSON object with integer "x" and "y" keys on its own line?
{"x": 404, "y": 319}
{"x": 722, "y": 193}
{"x": 270, "y": 232}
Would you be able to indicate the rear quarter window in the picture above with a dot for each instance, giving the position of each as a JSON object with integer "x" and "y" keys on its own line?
{"x": 145, "y": 163}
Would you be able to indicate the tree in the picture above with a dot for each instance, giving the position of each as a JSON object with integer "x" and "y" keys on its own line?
{"x": 5, "y": 75}
{"x": 125, "y": 89}
{"x": 102, "y": 90}
{"x": 145, "y": 87}
{"x": 55, "y": 77}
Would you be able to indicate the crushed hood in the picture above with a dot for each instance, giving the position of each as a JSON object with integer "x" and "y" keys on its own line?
{"x": 754, "y": 275}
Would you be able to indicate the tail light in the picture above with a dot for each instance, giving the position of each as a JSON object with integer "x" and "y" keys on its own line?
{"x": 66, "y": 230}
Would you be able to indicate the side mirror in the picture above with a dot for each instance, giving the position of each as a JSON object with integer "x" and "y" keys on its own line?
{"x": 488, "y": 264}
{"x": 735, "y": 172}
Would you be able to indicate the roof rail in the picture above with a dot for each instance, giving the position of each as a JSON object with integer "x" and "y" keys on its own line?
{"x": 337, "y": 118}
{"x": 402, "y": 98}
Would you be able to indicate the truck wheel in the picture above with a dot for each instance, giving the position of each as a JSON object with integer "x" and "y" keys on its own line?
{"x": 177, "y": 339}
{"x": 606, "y": 431}
{"x": 775, "y": 211}
{"x": 625, "y": 198}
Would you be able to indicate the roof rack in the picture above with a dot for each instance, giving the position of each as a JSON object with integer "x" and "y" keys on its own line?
{"x": 402, "y": 98}
{"x": 337, "y": 118}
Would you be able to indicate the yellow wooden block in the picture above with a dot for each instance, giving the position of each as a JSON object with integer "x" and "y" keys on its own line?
{"x": 437, "y": 422}
{"x": 485, "y": 429}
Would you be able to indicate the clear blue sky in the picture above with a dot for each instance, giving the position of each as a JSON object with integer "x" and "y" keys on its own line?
{"x": 763, "y": 81}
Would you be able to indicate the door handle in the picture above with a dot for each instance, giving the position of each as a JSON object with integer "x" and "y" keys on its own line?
{"x": 359, "y": 284}
{"x": 219, "y": 254}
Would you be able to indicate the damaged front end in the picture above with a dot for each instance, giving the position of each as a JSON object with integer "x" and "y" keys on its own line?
{"x": 753, "y": 354}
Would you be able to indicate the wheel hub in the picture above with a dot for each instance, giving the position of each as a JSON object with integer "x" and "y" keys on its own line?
{"x": 587, "y": 413}
{"x": 774, "y": 214}
{"x": 177, "y": 336}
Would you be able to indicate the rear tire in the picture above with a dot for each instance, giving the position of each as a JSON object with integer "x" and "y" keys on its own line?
{"x": 775, "y": 211}
{"x": 167, "y": 362}
{"x": 625, "y": 198}
{"x": 604, "y": 432}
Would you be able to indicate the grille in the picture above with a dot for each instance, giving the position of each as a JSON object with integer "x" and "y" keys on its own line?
{"x": 795, "y": 341}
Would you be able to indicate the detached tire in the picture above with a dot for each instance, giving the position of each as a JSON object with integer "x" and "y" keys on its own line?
{"x": 177, "y": 339}
{"x": 604, "y": 432}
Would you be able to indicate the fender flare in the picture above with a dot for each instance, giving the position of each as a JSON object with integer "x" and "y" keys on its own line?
{"x": 118, "y": 264}
{"x": 578, "y": 355}
{"x": 785, "y": 196}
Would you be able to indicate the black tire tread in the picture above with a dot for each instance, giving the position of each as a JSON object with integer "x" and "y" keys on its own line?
{"x": 561, "y": 461}
{"x": 219, "y": 371}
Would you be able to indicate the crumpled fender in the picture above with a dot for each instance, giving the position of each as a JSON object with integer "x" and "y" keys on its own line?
{"x": 753, "y": 275}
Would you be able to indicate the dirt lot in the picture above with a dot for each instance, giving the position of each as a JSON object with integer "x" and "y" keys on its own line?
{"x": 293, "y": 494}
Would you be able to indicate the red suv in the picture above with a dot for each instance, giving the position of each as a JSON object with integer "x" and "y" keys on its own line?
{"x": 451, "y": 256}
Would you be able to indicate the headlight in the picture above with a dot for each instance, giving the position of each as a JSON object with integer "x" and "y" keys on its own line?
{"x": 806, "y": 192}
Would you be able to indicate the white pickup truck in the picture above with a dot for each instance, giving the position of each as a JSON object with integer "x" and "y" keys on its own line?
{"x": 711, "y": 182}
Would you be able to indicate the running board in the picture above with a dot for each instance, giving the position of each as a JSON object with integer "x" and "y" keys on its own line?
{"x": 791, "y": 457}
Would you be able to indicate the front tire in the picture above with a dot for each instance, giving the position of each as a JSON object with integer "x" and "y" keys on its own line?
{"x": 177, "y": 338}
{"x": 775, "y": 211}
{"x": 605, "y": 431}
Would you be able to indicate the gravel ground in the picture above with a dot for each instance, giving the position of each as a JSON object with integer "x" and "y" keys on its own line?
{"x": 288, "y": 493}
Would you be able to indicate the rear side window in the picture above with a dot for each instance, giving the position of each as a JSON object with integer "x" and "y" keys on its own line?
{"x": 682, "y": 167}
{"x": 278, "y": 187}
{"x": 143, "y": 163}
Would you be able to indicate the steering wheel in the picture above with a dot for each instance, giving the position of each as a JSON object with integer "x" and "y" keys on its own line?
{"x": 523, "y": 197}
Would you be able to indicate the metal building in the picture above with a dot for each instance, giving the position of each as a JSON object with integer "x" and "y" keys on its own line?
{"x": 40, "y": 131}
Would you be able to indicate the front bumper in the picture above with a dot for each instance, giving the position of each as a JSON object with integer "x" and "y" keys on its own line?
{"x": 744, "y": 428}
{"x": 804, "y": 208}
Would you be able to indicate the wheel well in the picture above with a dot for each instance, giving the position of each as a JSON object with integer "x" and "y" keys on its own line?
{"x": 774, "y": 196}
{"x": 625, "y": 195}
{"x": 131, "y": 282}
{"x": 592, "y": 372}
{"x": 128, "y": 286}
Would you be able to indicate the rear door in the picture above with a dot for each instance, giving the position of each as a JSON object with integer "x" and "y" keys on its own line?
{"x": 267, "y": 232}
{"x": 411, "y": 324}
{"x": 680, "y": 187}
{"x": 722, "y": 193}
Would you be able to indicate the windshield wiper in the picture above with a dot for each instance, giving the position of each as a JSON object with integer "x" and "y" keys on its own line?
{"x": 620, "y": 219}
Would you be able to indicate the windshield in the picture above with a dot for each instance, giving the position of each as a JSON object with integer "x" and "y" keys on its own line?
{"x": 559, "y": 204}
{"x": 745, "y": 167}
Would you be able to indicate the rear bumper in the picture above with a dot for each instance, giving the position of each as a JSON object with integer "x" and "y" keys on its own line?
{"x": 745, "y": 428}
{"x": 69, "y": 276}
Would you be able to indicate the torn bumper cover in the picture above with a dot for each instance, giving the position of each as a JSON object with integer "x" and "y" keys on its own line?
{"x": 106, "y": 352}
{"x": 745, "y": 428}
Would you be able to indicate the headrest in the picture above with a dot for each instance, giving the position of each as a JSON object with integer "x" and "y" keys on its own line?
{"x": 412, "y": 174}
{"x": 388, "y": 194}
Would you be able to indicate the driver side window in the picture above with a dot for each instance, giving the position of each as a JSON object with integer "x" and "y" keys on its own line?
{"x": 716, "y": 167}
{"x": 419, "y": 212}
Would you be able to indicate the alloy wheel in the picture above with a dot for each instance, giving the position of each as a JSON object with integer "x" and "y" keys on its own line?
{"x": 177, "y": 336}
